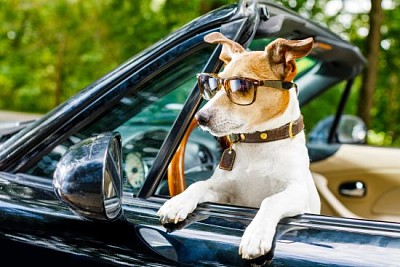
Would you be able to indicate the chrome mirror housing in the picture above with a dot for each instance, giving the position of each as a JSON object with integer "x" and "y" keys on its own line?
{"x": 88, "y": 178}
{"x": 351, "y": 130}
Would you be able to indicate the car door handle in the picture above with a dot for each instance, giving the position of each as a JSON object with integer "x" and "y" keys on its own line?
{"x": 353, "y": 189}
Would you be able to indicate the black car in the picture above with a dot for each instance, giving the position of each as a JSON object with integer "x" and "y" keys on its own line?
{"x": 81, "y": 185}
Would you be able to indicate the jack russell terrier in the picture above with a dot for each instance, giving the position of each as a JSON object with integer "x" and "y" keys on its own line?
{"x": 254, "y": 103}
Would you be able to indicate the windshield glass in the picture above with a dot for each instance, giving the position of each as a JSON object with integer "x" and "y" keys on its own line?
{"x": 144, "y": 117}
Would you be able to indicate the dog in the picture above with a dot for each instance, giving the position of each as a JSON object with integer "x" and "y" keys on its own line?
{"x": 254, "y": 103}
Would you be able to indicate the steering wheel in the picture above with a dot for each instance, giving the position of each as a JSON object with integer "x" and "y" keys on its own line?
{"x": 176, "y": 168}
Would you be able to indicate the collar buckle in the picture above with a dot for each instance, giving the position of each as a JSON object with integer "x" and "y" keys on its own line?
{"x": 235, "y": 138}
{"x": 290, "y": 130}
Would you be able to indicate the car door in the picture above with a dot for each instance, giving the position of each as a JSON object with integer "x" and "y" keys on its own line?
{"x": 354, "y": 179}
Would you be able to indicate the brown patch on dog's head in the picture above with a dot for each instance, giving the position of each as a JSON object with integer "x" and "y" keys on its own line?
{"x": 276, "y": 62}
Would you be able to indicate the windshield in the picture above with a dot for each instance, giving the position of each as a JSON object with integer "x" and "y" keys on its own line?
{"x": 143, "y": 117}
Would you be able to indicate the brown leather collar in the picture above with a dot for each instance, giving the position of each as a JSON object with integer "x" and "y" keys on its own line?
{"x": 286, "y": 131}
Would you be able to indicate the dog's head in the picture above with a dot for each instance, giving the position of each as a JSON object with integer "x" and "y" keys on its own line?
{"x": 220, "y": 116}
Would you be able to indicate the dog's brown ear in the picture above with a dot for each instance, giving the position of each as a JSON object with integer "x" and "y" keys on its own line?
{"x": 229, "y": 47}
{"x": 285, "y": 52}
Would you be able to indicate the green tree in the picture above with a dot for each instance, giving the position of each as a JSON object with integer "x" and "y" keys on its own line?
{"x": 375, "y": 32}
{"x": 49, "y": 50}
{"x": 372, "y": 52}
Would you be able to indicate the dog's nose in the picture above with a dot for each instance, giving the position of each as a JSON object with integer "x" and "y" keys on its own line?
{"x": 203, "y": 118}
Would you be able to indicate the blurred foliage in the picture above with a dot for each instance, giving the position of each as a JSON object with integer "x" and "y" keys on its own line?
{"x": 350, "y": 20}
{"x": 49, "y": 50}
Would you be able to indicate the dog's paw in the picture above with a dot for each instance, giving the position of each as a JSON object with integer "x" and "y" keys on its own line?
{"x": 176, "y": 209}
{"x": 256, "y": 241}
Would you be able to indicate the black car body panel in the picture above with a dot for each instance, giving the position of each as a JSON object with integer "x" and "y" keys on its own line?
{"x": 34, "y": 217}
{"x": 34, "y": 222}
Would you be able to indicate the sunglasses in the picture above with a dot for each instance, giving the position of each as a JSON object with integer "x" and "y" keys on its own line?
{"x": 240, "y": 90}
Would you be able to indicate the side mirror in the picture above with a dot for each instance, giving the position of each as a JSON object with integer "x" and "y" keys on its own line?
{"x": 88, "y": 178}
{"x": 351, "y": 130}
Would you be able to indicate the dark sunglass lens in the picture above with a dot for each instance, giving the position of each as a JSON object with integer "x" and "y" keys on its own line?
{"x": 208, "y": 86}
{"x": 241, "y": 91}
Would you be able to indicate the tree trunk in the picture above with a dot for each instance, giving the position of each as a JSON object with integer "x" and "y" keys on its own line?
{"x": 365, "y": 103}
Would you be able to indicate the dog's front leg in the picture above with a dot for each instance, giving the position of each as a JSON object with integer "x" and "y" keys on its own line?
{"x": 258, "y": 236}
{"x": 177, "y": 208}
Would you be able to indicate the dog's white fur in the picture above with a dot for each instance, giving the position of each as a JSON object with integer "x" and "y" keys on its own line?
{"x": 273, "y": 176}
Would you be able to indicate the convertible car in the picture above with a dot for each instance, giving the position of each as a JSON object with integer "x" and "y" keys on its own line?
{"x": 81, "y": 185}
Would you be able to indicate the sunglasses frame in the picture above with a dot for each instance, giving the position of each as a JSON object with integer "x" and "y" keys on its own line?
{"x": 277, "y": 84}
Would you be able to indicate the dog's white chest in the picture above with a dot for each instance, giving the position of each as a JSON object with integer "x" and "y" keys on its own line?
{"x": 258, "y": 172}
